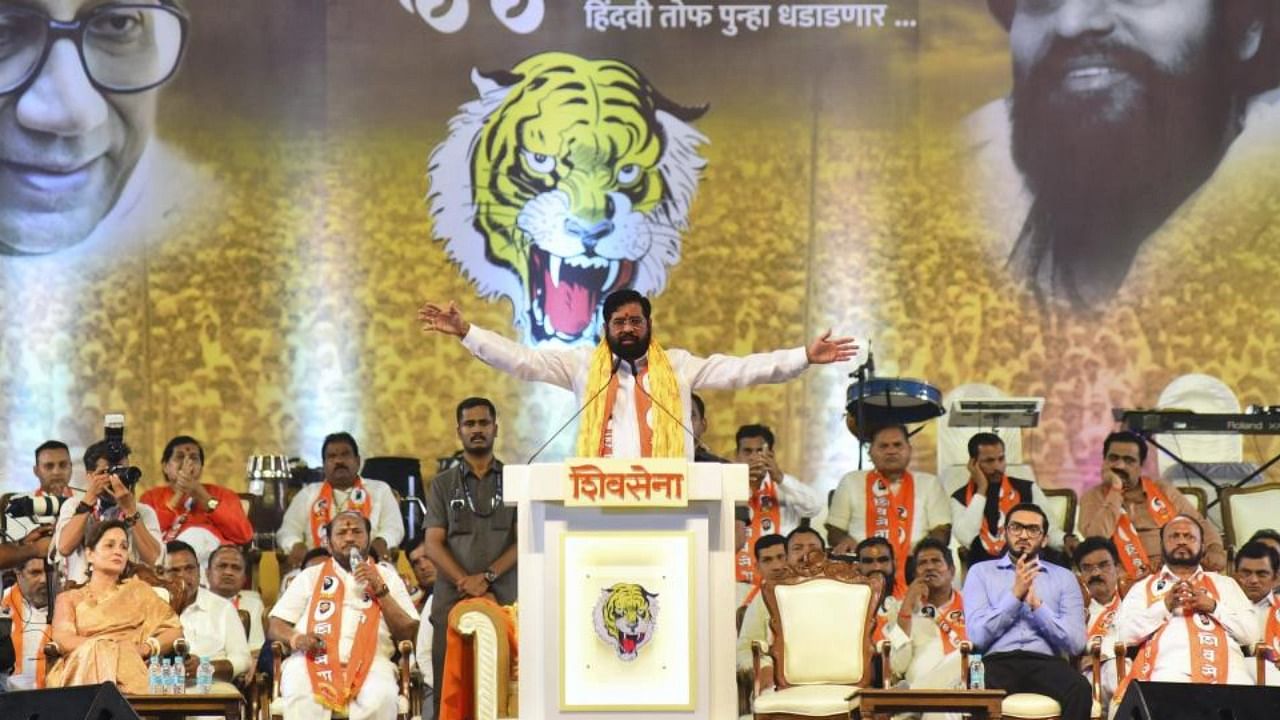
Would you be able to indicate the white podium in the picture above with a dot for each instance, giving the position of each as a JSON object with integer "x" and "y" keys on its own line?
{"x": 662, "y": 576}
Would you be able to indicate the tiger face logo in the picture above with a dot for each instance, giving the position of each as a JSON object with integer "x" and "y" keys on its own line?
{"x": 565, "y": 180}
{"x": 626, "y": 616}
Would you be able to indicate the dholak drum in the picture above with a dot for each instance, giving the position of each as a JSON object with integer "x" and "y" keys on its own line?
{"x": 891, "y": 401}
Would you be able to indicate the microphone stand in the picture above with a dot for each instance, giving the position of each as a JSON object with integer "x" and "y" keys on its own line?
{"x": 864, "y": 372}
{"x": 617, "y": 363}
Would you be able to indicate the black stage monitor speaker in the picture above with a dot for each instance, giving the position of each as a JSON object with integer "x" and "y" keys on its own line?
{"x": 1185, "y": 701}
{"x": 84, "y": 702}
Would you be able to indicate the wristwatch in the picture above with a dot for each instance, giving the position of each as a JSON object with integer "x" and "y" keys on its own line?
{"x": 490, "y": 576}
{"x": 211, "y": 504}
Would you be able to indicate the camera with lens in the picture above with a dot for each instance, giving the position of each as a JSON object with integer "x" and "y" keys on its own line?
{"x": 117, "y": 451}
{"x": 39, "y": 509}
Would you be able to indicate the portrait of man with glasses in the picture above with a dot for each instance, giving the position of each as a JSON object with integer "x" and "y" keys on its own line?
{"x": 79, "y": 84}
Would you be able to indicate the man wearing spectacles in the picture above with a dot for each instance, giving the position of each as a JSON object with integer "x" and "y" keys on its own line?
{"x": 78, "y": 82}
{"x": 1130, "y": 508}
{"x": 1098, "y": 567}
{"x": 1026, "y": 617}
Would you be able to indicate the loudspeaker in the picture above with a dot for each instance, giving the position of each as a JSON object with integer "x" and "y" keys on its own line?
{"x": 1187, "y": 701}
{"x": 84, "y": 702}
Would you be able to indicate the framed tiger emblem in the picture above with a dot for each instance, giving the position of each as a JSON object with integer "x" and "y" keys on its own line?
{"x": 566, "y": 179}
{"x": 625, "y": 617}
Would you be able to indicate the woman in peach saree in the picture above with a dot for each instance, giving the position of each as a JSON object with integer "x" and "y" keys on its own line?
{"x": 107, "y": 628}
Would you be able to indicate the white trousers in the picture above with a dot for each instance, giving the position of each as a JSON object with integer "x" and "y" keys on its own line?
{"x": 376, "y": 700}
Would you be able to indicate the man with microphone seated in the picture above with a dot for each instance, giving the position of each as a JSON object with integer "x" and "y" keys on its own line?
{"x": 341, "y": 621}
{"x": 622, "y": 417}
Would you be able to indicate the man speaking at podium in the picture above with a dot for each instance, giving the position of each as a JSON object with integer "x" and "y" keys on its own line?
{"x": 621, "y": 418}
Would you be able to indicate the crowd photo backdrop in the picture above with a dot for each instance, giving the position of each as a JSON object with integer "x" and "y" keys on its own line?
{"x": 236, "y": 250}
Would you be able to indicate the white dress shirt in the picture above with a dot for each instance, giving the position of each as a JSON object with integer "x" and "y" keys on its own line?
{"x": 1262, "y": 610}
{"x": 569, "y": 369}
{"x": 1138, "y": 621}
{"x": 213, "y": 629}
{"x": 849, "y": 505}
{"x": 796, "y": 501}
{"x": 293, "y": 605}
{"x": 384, "y": 514}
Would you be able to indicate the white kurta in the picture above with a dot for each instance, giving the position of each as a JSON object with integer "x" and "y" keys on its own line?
{"x": 377, "y": 697}
{"x": 569, "y": 369}
{"x": 1108, "y": 670}
{"x": 385, "y": 514}
{"x": 921, "y": 662}
{"x": 33, "y": 626}
{"x": 849, "y": 505}
{"x": 1262, "y": 610}
{"x": 1138, "y": 621}
{"x": 213, "y": 630}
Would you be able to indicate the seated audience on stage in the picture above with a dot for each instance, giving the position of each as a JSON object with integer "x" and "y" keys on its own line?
{"x": 932, "y": 616}
{"x": 1130, "y": 508}
{"x": 699, "y": 424}
{"x": 209, "y": 622}
{"x": 343, "y": 489}
{"x": 978, "y": 509}
{"x": 741, "y": 531}
{"x": 424, "y": 575}
{"x": 778, "y": 501}
{"x": 1190, "y": 622}
{"x": 771, "y": 561}
{"x": 1270, "y": 537}
{"x": 876, "y": 556}
{"x": 53, "y": 475}
{"x": 314, "y": 556}
{"x": 203, "y": 515}
{"x": 227, "y": 576}
{"x": 867, "y": 503}
{"x": 1098, "y": 566}
{"x": 26, "y": 605}
{"x": 106, "y": 498}
{"x": 1026, "y": 617}
{"x": 319, "y": 619}
{"x": 107, "y": 628}
{"x": 1257, "y": 564}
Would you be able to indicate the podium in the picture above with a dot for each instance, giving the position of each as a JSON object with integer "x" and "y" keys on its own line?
{"x": 627, "y": 603}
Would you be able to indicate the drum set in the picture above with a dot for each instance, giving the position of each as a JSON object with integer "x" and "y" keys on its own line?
{"x": 874, "y": 402}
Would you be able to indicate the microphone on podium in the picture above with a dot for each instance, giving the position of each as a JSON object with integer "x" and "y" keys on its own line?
{"x": 617, "y": 362}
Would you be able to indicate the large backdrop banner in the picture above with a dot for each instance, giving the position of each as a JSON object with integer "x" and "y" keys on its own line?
{"x": 220, "y": 216}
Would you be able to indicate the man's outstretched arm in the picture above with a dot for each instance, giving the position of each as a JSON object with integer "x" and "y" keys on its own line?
{"x": 725, "y": 372}
{"x": 550, "y": 366}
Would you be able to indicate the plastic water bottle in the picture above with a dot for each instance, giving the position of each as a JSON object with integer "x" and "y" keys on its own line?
{"x": 155, "y": 677}
{"x": 204, "y": 676}
{"x": 977, "y": 673}
{"x": 355, "y": 558}
{"x": 166, "y": 678}
{"x": 179, "y": 677}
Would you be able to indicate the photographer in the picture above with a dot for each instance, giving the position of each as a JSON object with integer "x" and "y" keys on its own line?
{"x": 108, "y": 497}
{"x": 53, "y": 471}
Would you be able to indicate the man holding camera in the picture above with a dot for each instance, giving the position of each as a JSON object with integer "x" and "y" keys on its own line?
{"x": 53, "y": 471}
{"x": 109, "y": 497}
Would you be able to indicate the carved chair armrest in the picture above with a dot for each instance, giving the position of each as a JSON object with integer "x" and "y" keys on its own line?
{"x": 1122, "y": 657}
{"x": 966, "y": 649}
{"x": 886, "y": 671}
{"x": 279, "y": 651}
{"x": 406, "y": 654}
{"x": 758, "y": 661}
{"x": 1095, "y": 654}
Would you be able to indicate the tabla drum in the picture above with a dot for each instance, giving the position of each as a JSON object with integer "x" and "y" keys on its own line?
{"x": 890, "y": 401}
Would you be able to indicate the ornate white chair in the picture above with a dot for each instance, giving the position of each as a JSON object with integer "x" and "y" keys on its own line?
{"x": 485, "y": 627}
{"x": 820, "y": 623}
{"x": 1247, "y": 510}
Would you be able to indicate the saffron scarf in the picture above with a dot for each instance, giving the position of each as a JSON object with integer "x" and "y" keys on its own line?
{"x": 1132, "y": 555}
{"x": 1207, "y": 639}
{"x": 766, "y": 518}
{"x": 992, "y": 540}
{"x": 1271, "y": 633}
{"x": 890, "y": 516}
{"x": 335, "y": 684}
{"x": 323, "y": 509}
{"x": 1105, "y": 621}
{"x": 660, "y": 434}
{"x": 13, "y": 600}
{"x": 950, "y": 621}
